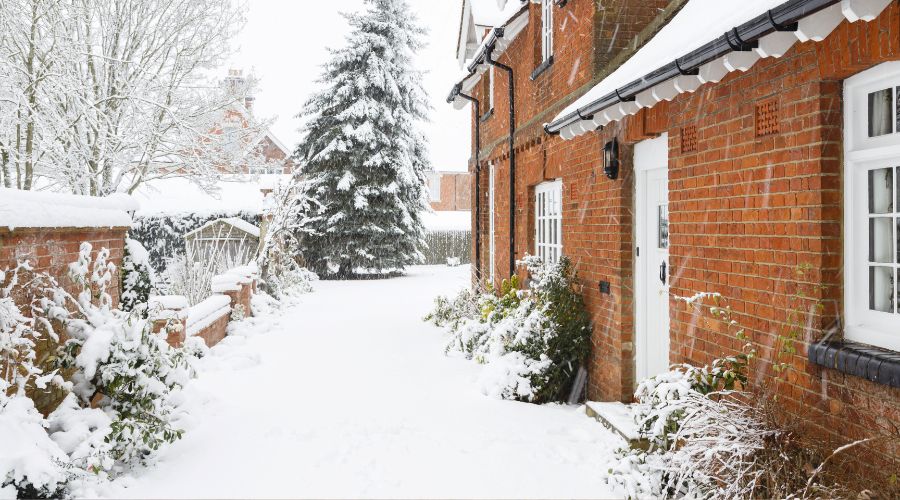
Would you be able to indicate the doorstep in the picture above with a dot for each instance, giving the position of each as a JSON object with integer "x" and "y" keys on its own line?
{"x": 619, "y": 418}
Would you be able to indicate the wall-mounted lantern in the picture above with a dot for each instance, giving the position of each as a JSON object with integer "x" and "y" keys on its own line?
{"x": 611, "y": 159}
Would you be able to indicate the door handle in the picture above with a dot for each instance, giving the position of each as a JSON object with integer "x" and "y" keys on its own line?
{"x": 662, "y": 272}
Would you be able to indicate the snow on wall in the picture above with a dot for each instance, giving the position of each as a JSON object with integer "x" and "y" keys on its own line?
{"x": 206, "y": 313}
{"x": 31, "y": 209}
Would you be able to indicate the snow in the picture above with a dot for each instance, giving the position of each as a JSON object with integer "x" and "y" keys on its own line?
{"x": 492, "y": 13}
{"x": 169, "y": 302}
{"x": 316, "y": 401}
{"x": 179, "y": 196}
{"x": 236, "y": 222}
{"x": 697, "y": 23}
{"x": 205, "y": 313}
{"x": 36, "y": 209}
{"x": 452, "y": 220}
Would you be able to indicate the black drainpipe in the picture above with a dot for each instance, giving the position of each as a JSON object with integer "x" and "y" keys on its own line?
{"x": 512, "y": 155}
{"x": 477, "y": 105}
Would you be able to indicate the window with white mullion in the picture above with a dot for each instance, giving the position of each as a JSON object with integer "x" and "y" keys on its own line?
{"x": 548, "y": 221}
{"x": 871, "y": 263}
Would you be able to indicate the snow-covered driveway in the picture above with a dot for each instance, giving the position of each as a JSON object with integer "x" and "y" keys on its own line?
{"x": 348, "y": 394}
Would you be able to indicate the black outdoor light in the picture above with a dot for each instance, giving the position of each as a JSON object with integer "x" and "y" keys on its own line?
{"x": 611, "y": 159}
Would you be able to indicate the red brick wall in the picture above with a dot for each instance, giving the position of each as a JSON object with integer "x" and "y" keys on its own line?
{"x": 456, "y": 192}
{"x": 52, "y": 250}
{"x": 596, "y": 211}
{"x": 747, "y": 212}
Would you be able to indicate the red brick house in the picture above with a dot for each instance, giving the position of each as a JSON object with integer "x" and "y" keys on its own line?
{"x": 670, "y": 148}
{"x": 450, "y": 191}
{"x": 274, "y": 156}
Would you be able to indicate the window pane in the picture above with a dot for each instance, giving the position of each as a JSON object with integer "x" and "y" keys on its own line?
{"x": 881, "y": 239}
{"x": 881, "y": 289}
{"x": 881, "y": 107}
{"x": 662, "y": 229}
{"x": 881, "y": 191}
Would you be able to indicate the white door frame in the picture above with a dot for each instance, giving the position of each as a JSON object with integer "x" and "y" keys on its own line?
{"x": 651, "y": 154}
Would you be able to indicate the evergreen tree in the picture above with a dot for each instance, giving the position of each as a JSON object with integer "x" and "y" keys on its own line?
{"x": 363, "y": 158}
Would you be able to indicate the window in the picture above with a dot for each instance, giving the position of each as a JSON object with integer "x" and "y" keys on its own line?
{"x": 491, "y": 88}
{"x": 492, "y": 243}
{"x": 434, "y": 186}
{"x": 871, "y": 208}
{"x": 548, "y": 221}
{"x": 547, "y": 29}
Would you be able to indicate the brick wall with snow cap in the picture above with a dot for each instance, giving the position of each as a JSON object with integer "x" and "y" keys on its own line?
{"x": 46, "y": 231}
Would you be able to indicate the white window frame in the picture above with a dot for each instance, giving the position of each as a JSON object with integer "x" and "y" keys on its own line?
{"x": 548, "y": 239}
{"x": 547, "y": 29}
{"x": 434, "y": 187}
{"x": 492, "y": 242}
{"x": 863, "y": 154}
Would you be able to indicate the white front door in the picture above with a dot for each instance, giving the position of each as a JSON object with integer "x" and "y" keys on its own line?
{"x": 651, "y": 160}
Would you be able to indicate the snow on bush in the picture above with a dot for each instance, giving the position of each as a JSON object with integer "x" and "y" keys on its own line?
{"x": 137, "y": 278}
{"x": 120, "y": 360}
{"x": 291, "y": 214}
{"x": 115, "y": 363}
{"x": 711, "y": 438}
{"x": 532, "y": 342}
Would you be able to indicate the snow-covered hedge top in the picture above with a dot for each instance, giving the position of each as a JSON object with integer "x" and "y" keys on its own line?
{"x": 51, "y": 210}
{"x": 457, "y": 220}
{"x": 207, "y": 311}
{"x": 180, "y": 196}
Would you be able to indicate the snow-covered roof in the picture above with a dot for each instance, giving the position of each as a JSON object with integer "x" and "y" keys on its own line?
{"x": 239, "y": 224}
{"x": 478, "y": 15}
{"x": 457, "y": 220}
{"x": 511, "y": 19}
{"x": 691, "y": 36}
{"x": 31, "y": 209}
{"x": 181, "y": 196}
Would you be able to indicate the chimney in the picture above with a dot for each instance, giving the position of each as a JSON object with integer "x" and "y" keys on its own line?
{"x": 248, "y": 103}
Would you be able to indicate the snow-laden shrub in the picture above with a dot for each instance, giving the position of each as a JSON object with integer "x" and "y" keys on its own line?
{"x": 711, "y": 438}
{"x": 137, "y": 278}
{"x": 118, "y": 359}
{"x": 532, "y": 342}
{"x": 31, "y": 464}
{"x": 281, "y": 262}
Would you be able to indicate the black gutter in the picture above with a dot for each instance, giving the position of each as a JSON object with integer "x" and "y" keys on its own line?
{"x": 512, "y": 156}
{"x": 477, "y": 228}
{"x": 741, "y": 38}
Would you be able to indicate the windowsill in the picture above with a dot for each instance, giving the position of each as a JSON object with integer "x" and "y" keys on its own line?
{"x": 874, "y": 364}
{"x": 487, "y": 115}
{"x": 544, "y": 66}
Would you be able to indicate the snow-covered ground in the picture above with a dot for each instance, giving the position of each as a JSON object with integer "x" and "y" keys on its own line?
{"x": 348, "y": 394}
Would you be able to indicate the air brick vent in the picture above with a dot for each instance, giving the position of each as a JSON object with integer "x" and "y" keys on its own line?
{"x": 767, "y": 118}
{"x": 689, "y": 139}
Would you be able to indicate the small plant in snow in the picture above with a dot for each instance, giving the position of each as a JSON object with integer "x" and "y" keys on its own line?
{"x": 137, "y": 278}
{"x": 531, "y": 341}
{"x": 238, "y": 313}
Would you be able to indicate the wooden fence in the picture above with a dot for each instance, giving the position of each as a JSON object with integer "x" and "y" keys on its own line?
{"x": 448, "y": 244}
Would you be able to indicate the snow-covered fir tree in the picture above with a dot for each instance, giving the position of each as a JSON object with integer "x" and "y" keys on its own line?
{"x": 364, "y": 159}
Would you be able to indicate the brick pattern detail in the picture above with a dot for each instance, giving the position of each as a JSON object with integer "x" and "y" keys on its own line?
{"x": 689, "y": 139}
{"x": 51, "y": 251}
{"x": 767, "y": 117}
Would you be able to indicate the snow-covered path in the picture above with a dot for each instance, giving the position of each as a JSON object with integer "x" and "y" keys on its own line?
{"x": 348, "y": 394}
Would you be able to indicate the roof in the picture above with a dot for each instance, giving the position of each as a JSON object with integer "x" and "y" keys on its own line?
{"x": 232, "y": 194}
{"x": 39, "y": 209}
{"x": 239, "y": 224}
{"x": 478, "y": 15}
{"x": 511, "y": 22}
{"x": 691, "y": 50}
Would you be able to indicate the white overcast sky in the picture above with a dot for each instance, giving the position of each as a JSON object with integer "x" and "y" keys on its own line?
{"x": 284, "y": 44}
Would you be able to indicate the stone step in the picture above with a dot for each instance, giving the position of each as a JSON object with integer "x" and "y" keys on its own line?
{"x": 619, "y": 418}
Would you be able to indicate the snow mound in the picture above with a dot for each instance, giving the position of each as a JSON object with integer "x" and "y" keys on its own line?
{"x": 45, "y": 210}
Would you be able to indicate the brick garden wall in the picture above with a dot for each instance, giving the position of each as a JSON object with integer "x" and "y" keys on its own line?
{"x": 51, "y": 251}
